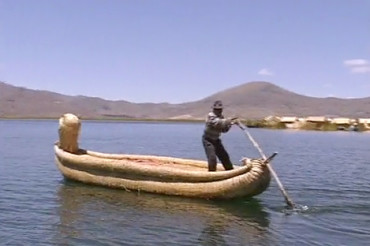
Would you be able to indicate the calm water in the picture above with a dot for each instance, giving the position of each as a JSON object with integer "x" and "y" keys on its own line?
{"x": 327, "y": 171}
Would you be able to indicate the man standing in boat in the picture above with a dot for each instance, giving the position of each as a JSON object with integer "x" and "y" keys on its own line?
{"x": 215, "y": 125}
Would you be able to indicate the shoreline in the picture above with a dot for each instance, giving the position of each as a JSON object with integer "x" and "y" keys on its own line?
{"x": 249, "y": 123}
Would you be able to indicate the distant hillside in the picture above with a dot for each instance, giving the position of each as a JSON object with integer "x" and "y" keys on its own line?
{"x": 254, "y": 100}
{"x": 260, "y": 99}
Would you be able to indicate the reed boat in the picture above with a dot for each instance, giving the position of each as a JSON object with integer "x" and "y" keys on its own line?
{"x": 155, "y": 174}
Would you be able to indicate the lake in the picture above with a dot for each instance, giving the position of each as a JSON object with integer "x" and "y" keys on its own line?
{"x": 329, "y": 172}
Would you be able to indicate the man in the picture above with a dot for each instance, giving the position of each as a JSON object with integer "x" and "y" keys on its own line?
{"x": 215, "y": 125}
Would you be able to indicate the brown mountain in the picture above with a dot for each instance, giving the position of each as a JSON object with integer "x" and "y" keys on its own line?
{"x": 254, "y": 100}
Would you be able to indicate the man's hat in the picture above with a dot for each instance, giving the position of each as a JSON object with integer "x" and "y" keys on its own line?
{"x": 217, "y": 105}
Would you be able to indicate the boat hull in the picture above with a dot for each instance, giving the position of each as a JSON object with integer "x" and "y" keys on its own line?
{"x": 155, "y": 174}
{"x": 163, "y": 175}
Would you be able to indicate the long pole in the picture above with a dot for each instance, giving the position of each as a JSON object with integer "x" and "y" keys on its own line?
{"x": 281, "y": 187}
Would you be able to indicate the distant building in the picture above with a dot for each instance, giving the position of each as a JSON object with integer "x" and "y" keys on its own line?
{"x": 291, "y": 122}
{"x": 272, "y": 118}
{"x": 363, "y": 120}
{"x": 288, "y": 119}
{"x": 316, "y": 119}
{"x": 342, "y": 123}
{"x": 315, "y": 122}
{"x": 364, "y": 123}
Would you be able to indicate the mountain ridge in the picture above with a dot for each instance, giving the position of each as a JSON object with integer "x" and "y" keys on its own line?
{"x": 251, "y": 100}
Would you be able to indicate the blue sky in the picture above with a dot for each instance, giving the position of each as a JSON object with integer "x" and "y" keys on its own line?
{"x": 184, "y": 50}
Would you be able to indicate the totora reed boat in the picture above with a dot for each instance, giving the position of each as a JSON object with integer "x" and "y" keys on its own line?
{"x": 155, "y": 174}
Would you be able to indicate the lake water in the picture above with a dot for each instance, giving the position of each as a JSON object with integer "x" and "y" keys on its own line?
{"x": 329, "y": 172}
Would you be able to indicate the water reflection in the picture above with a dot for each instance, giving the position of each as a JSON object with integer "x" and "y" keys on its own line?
{"x": 201, "y": 222}
{"x": 237, "y": 222}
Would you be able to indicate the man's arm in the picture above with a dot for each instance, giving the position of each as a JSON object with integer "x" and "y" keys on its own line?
{"x": 217, "y": 122}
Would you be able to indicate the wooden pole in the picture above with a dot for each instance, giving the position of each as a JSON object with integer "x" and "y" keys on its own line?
{"x": 281, "y": 187}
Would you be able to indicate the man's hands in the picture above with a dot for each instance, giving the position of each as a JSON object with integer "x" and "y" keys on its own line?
{"x": 234, "y": 120}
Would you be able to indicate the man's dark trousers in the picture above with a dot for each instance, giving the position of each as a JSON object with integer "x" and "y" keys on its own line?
{"x": 214, "y": 149}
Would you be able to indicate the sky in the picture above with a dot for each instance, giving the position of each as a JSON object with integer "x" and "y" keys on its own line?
{"x": 185, "y": 50}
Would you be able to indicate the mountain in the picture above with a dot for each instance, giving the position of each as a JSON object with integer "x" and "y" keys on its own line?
{"x": 253, "y": 100}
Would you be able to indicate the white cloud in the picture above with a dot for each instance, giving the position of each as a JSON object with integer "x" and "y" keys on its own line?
{"x": 358, "y": 65}
{"x": 364, "y": 69}
{"x": 356, "y": 62}
{"x": 266, "y": 72}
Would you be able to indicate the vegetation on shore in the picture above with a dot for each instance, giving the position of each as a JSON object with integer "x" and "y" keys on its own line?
{"x": 312, "y": 126}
